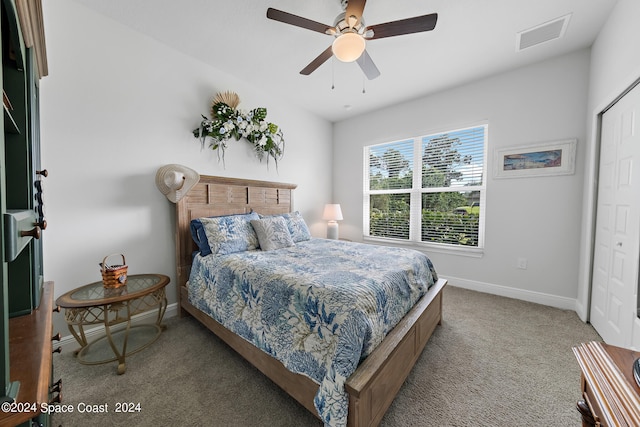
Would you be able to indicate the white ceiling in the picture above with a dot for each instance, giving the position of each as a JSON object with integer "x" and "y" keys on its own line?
{"x": 472, "y": 39}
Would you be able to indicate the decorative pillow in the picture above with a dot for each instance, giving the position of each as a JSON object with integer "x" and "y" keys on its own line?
{"x": 272, "y": 232}
{"x": 296, "y": 225}
{"x": 225, "y": 234}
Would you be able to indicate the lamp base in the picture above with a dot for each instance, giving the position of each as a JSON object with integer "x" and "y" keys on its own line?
{"x": 332, "y": 230}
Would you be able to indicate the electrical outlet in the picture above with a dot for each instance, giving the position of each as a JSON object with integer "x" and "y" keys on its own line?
{"x": 522, "y": 263}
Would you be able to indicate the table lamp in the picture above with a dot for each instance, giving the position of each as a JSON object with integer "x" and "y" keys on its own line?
{"x": 332, "y": 213}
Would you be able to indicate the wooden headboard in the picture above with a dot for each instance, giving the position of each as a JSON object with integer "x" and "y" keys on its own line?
{"x": 214, "y": 196}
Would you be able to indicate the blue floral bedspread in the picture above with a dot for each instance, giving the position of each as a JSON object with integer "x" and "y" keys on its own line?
{"x": 320, "y": 306}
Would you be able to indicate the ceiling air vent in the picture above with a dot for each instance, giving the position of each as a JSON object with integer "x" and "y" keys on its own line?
{"x": 542, "y": 33}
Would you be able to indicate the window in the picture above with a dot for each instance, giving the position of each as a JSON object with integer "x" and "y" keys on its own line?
{"x": 428, "y": 189}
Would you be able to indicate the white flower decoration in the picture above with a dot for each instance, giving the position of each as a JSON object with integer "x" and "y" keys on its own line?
{"x": 228, "y": 122}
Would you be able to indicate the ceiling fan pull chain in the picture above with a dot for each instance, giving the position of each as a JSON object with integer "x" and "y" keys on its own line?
{"x": 364, "y": 81}
{"x": 333, "y": 74}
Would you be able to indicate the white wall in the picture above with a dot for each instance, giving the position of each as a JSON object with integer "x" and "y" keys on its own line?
{"x": 536, "y": 218}
{"x": 116, "y": 106}
{"x": 615, "y": 65}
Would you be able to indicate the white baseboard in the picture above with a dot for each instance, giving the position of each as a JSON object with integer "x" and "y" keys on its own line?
{"x": 98, "y": 331}
{"x": 521, "y": 294}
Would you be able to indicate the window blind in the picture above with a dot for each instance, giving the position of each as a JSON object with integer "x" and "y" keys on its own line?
{"x": 442, "y": 203}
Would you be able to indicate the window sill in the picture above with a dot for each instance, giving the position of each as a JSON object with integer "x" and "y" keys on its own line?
{"x": 445, "y": 249}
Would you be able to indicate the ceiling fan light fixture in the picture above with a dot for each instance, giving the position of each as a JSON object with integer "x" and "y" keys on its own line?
{"x": 348, "y": 46}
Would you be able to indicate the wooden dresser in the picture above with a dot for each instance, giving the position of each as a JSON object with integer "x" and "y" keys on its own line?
{"x": 610, "y": 395}
{"x": 31, "y": 351}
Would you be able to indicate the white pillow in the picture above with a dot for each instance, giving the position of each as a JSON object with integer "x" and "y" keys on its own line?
{"x": 272, "y": 232}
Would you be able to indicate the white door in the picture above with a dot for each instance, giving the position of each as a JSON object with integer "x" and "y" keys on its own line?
{"x": 614, "y": 297}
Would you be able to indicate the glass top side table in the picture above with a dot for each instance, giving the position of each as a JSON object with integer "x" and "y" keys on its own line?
{"x": 93, "y": 304}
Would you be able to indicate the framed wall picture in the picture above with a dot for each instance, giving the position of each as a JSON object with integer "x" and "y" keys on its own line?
{"x": 541, "y": 159}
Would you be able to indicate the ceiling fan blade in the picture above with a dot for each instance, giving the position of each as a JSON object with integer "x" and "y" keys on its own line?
{"x": 368, "y": 67}
{"x": 404, "y": 26}
{"x": 298, "y": 21}
{"x": 355, "y": 8}
{"x": 321, "y": 59}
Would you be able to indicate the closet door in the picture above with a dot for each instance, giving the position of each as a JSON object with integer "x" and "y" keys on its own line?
{"x": 614, "y": 298}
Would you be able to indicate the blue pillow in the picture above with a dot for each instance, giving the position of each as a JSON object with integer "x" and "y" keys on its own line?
{"x": 297, "y": 227}
{"x": 226, "y": 234}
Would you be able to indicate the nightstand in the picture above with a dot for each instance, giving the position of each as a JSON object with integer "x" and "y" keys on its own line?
{"x": 93, "y": 304}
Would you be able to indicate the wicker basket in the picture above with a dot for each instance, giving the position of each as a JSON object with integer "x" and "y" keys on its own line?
{"x": 114, "y": 276}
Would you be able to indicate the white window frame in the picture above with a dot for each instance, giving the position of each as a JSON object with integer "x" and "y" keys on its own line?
{"x": 416, "y": 192}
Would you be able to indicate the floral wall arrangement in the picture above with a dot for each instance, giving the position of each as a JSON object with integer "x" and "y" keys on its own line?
{"x": 229, "y": 122}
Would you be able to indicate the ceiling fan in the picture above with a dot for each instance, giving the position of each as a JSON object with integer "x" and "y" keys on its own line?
{"x": 351, "y": 34}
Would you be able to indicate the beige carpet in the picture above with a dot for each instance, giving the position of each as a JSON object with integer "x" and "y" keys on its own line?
{"x": 493, "y": 362}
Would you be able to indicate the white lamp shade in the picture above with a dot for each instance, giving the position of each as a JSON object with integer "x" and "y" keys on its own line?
{"x": 332, "y": 212}
{"x": 348, "y": 47}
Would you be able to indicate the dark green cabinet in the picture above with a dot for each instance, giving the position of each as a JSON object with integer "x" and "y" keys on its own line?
{"x": 21, "y": 154}
{"x": 25, "y": 299}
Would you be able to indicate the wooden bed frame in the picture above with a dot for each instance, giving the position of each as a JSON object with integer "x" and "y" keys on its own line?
{"x": 374, "y": 385}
